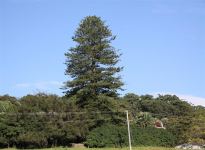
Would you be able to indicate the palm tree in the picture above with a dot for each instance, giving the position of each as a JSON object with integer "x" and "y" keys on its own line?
{"x": 144, "y": 119}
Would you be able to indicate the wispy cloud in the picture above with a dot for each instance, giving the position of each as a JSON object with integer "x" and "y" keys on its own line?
{"x": 195, "y": 100}
{"x": 43, "y": 85}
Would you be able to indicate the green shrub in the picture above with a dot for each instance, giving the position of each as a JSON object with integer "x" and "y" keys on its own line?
{"x": 116, "y": 136}
{"x": 152, "y": 137}
{"x": 107, "y": 136}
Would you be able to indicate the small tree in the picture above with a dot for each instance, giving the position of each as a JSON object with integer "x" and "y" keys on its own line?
{"x": 91, "y": 63}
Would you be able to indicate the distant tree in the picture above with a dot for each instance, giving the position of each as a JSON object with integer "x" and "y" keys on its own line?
{"x": 8, "y": 103}
{"x": 91, "y": 64}
{"x": 181, "y": 127}
{"x": 197, "y": 131}
{"x": 175, "y": 105}
{"x": 133, "y": 103}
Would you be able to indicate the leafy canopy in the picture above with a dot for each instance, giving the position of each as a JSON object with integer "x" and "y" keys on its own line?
{"x": 91, "y": 64}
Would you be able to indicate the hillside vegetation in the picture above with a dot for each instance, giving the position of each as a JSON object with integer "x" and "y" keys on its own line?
{"x": 41, "y": 120}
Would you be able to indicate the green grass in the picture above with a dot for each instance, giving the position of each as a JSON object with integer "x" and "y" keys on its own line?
{"x": 135, "y": 148}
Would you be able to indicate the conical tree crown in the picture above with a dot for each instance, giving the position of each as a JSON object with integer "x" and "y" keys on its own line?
{"x": 91, "y": 63}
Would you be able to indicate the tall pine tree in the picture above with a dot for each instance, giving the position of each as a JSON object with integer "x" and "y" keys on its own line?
{"x": 91, "y": 64}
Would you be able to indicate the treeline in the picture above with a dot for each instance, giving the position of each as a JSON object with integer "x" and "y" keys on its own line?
{"x": 42, "y": 120}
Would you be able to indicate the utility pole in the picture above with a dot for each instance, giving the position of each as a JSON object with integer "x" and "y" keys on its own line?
{"x": 128, "y": 129}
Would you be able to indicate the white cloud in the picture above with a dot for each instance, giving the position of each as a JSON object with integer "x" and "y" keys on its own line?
{"x": 56, "y": 83}
{"x": 40, "y": 85}
{"x": 189, "y": 98}
{"x": 46, "y": 85}
{"x": 193, "y": 99}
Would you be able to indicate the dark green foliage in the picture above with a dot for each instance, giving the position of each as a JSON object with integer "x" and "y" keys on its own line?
{"x": 116, "y": 136}
{"x": 176, "y": 107}
{"x": 160, "y": 107}
{"x": 181, "y": 128}
{"x": 58, "y": 121}
{"x": 41, "y": 102}
{"x": 107, "y": 136}
{"x": 152, "y": 137}
{"x": 91, "y": 63}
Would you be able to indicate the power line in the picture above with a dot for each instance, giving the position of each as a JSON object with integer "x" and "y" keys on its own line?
{"x": 61, "y": 113}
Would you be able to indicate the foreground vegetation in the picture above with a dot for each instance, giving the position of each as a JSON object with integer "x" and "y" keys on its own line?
{"x": 41, "y": 120}
{"x": 134, "y": 148}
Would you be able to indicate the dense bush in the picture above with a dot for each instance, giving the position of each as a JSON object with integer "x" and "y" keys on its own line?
{"x": 116, "y": 136}
{"x": 152, "y": 137}
{"x": 41, "y": 120}
{"x": 107, "y": 136}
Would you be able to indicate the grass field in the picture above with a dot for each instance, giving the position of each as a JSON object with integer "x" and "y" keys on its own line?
{"x": 135, "y": 148}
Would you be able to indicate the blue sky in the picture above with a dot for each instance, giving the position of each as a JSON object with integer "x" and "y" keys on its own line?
{"x": 162, "y": 44}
